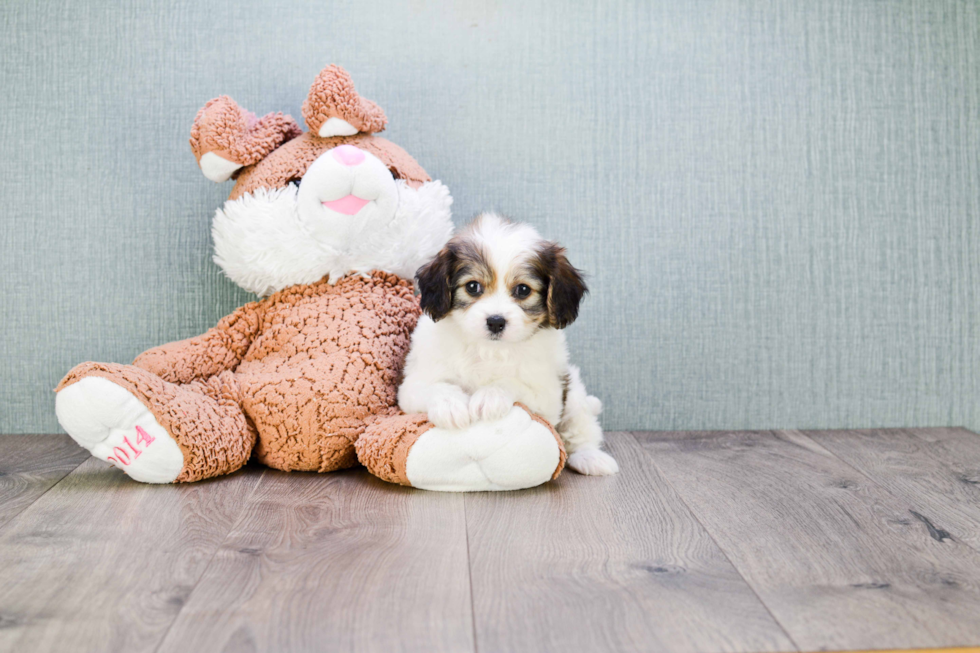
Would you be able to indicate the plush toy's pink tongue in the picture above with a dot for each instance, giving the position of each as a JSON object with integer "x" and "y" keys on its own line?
{"x": 347, "y": 205}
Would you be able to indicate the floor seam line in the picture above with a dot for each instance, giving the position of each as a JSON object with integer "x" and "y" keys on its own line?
{"x": 469, "y": 571}
{"x": 652, "y": 461}
{"x": 204, "y": 571}
{"x": 897, "y": 496}
{"x": 38, "y": 497}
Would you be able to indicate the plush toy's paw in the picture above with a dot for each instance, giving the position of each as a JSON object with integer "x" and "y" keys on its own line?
{"x": 116, "y": 427}
{"x": 490, "y": 404}
{"x": 450, "y": 410}
{"x": 225, "y": 137}
{"x": 519, "y": 451}
{"x": 593, "y": 462}
{"x": 334, "y": 108}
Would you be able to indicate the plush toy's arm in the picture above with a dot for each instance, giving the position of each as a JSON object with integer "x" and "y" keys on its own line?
{"x": 220, "y": 348}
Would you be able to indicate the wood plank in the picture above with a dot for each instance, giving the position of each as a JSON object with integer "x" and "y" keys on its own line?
{"x": 936, "y": 471}
{"x": 956, "y": 649}
{"x": 30, "y": 465}
{"x": 840, "y": 561}
{"x": 339, "y": 561}
{"x": 102, "y": 563}
{"x": 607, "y": 564}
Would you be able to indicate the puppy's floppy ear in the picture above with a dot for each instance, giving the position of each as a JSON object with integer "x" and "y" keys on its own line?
{"x": 565, "y": 286}
{"x": 435, "y": 279}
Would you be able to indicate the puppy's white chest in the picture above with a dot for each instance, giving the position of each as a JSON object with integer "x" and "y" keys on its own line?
{"x": 536, "y": 383}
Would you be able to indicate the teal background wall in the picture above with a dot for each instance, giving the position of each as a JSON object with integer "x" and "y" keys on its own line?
{"x": 778, "y": 201}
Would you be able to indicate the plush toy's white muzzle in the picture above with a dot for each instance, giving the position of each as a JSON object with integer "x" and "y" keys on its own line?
{"x": 344, "y": 193}
{"x": 348, "y": 215}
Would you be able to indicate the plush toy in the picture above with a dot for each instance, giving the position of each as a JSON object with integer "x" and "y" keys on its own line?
{"x": 328, "y": 227}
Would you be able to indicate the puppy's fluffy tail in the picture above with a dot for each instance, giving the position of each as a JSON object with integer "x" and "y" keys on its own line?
{"x": 593, "y": 404}
{"x": 577, "y": 399}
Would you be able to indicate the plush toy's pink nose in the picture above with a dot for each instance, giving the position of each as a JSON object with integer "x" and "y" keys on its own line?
{"x": 348, "y": 155}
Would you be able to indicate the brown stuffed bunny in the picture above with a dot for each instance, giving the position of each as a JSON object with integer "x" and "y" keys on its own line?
{"x": 329, "y": 226}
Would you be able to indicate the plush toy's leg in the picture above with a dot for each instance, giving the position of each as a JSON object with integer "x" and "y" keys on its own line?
{"x": 155, "y": 431}
{"x": 519, "y": 451}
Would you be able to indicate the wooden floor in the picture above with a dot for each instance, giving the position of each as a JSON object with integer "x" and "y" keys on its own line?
{"x": 745, "y": 541}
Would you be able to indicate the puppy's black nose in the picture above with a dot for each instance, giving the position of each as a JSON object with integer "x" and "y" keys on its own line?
{"x": 496, "y": 323}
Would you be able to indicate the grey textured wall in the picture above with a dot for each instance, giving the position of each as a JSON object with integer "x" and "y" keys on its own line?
{"x": 777, "y": 201}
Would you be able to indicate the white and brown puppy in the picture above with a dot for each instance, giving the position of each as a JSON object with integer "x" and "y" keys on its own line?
{"x": 495, "y": 300}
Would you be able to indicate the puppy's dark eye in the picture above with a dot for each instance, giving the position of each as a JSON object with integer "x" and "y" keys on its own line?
{"x": 474, "y": 288}
{"x": 522, "y": 291}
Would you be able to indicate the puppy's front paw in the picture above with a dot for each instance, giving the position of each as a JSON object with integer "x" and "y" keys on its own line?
{"x": 490, "y": 404}
{"x": 593, "y": 462}
{"x": 450, "y": 411}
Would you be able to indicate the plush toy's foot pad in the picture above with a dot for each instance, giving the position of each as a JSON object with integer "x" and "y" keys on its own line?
{"x": 116, "y": 427}
{"x": 515, "y": 452}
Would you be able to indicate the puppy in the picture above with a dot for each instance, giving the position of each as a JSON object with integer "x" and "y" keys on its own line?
{"x": 495, "y": 301}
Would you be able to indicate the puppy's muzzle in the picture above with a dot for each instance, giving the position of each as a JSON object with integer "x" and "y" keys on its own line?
{"x": 496, "y": 324}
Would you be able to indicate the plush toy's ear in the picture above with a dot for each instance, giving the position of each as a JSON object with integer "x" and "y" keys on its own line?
{"x": 225, "y": 137}
{"x": 565, "y": 285}
{"x": 435, "y": 284}
{"x": 333, "y": 107}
